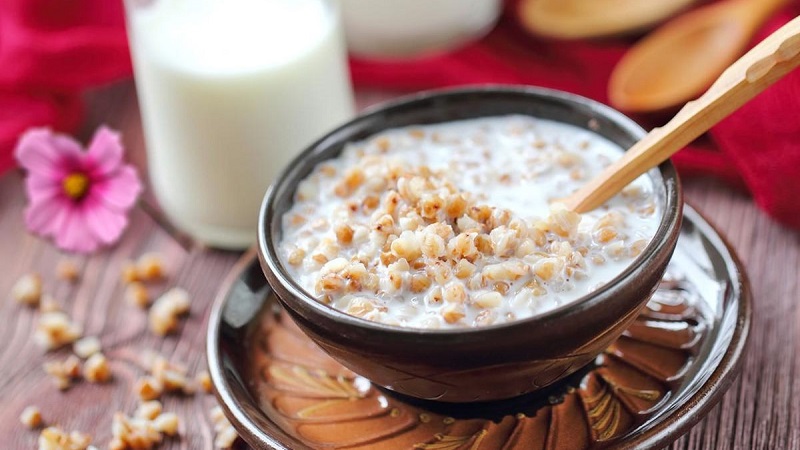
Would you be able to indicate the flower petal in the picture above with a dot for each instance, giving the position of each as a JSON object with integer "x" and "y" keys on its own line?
{"x": 105, "y": 151}
{"x": 46, "y": 217}
{"x": 106, "y": 225}
{"x": 120, "y": 190}
{"x": 40, "y": 187}
{"x": 45, "y": 153}
{"x": 75, "y": 235}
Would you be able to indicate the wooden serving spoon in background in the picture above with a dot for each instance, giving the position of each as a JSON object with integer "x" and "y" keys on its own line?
{"x": 578, "y": 19}
{"x": 675, "y": 63}
{"x": 762, "y": 66}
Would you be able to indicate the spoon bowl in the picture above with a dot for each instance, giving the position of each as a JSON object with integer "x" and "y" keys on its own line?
{"x": 678, "y": 61}
{"x": 580, "y": 19}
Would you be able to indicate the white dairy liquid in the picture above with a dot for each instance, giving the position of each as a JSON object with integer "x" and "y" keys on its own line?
{"x": 230, "y": 91}
{"x": 404, "y": 28}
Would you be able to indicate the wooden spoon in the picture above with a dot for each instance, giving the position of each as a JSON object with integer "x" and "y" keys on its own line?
{"x": 675, "y": 63}
{"x": 762, "y": 66}
{"x": 578, "y": 19}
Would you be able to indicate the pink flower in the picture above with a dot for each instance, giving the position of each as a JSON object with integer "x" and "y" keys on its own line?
{"x": 79, "y": 198}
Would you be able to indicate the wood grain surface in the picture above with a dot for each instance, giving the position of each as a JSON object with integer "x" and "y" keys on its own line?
{"x": 761, "y": 410}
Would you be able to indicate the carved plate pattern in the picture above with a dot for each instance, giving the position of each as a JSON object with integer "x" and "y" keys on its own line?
{"x": 325, "y": 405}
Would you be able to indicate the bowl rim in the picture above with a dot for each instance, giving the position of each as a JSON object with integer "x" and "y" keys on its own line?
{"x": 669, "y": 226}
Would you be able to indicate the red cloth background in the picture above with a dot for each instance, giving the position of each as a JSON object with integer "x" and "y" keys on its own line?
{"x": 53, "y": 50}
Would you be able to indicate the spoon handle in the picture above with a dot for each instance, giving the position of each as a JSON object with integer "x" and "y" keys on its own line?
{"x": 759, "y": 68}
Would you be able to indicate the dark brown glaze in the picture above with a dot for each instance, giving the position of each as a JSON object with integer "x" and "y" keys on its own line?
{"x": 325, "y": 405}
{"x": 475, "y": 364}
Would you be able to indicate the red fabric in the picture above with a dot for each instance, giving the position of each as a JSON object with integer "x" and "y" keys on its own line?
{"x": 51, "y": 50}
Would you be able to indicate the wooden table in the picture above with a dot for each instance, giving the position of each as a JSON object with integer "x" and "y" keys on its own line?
{"x": 761, "y": 410}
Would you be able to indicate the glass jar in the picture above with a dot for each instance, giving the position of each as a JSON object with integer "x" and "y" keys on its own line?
{"x": 230, "y": 91}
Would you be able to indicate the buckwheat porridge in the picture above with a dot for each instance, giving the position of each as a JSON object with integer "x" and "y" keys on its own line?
{"x": 455, "y": 224}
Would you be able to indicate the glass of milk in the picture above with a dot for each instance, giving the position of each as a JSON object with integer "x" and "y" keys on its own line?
{"x": 411, "y": 28}
{"x": 230, "y": 91}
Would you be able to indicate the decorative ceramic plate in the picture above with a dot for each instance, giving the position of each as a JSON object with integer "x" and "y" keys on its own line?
{"x": 282, "y": 392}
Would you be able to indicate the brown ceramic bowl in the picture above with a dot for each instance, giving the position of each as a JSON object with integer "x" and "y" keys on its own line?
{"x": 476, "y": 364}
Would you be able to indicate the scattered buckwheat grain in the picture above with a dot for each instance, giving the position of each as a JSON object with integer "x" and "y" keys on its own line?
{"x": 55, "y": 329}
{"x": 31, "y": 417}
{"x": 173, "y": 377}
{"x": 54, "y": 438}
{"x": 150, "y": 267}
{"x": 67, "y": 270}
{"x": 86, "y": 346}
{"x": 148, "y": 388}
{"x": 167, "y": 423}
{"x": 28, "y": 289}
{"x": 165, "y": 312}
{"x": 203, "y": 380}
{"x": 226, "y": 435}
{"x": 148, "y": 410}
{"x": 129, "y": 273}
{"x": 136, "y": 294}
{"x": 63, "y": 372}
{"x": 96, "y": 369}
{"x": 143, "y": 431}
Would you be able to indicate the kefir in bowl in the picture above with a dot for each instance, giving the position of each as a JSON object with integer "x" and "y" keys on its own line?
{"x": 423, "y": 244}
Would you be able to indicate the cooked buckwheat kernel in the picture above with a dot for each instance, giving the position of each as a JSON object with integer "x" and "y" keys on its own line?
{"x": 54, "y": 438}
{"x": 148, "y": 410}
{"x": 136, "y": 294}
{"x": 485, "y": 317}
{"x": 454, "y": 292}
{"x": 96, "y": 369}
{"x": 129, "y": 274}
{"x": 31, "y": 417}
{"x": 28, "y": 289}
{"x": 344, "y": 234}
{"x": 453, "y": 312}
{"x": 203, "y": 380}
{"x": 225, "y": 433}
{"x": 637, "y": 247}
{"x": 63, "y": 372}
{"x": 296, "y": 256}
{"x": 148, "y": 388}
{"x": 68, "y": 270}
{"x": 150, "y": 267}
{"x": 167, "y": 423}
{"x": 165, "y": 376}
{"x": 165, "y": 312}
{"x": 86, "y": 346}
{"x": 142, "y": 431}
{"x": 55, "y": 329}
{"x": 488, "y": 300}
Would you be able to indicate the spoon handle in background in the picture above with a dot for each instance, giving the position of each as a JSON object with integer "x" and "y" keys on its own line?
{"x": 759, "y": 68}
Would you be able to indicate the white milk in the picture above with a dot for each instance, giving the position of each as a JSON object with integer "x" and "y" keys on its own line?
{"x": 230, "y": 91}
{"x": 407, "y": 28}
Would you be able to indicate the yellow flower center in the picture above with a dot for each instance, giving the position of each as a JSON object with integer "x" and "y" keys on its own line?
{"x": 76, "y": 185}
